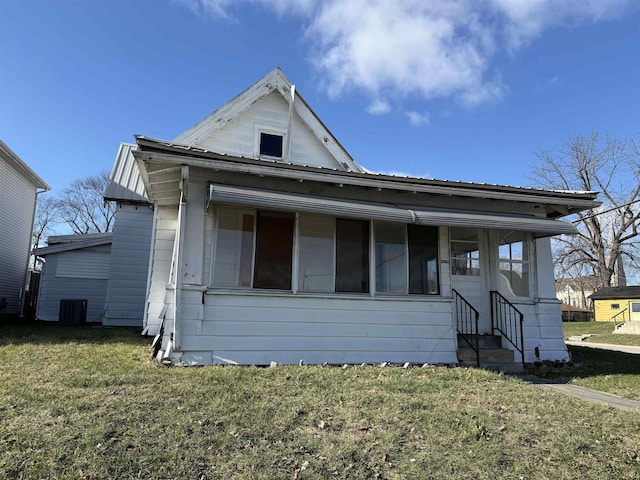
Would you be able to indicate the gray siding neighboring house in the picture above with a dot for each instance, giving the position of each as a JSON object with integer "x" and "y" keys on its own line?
{"x": 19, "y": 187}
{"x": 126, "y": 286}
{"x": 76, "y": 267}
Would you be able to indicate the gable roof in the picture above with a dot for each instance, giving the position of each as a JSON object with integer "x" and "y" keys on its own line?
{"x": 65, "y": 243}
{"x": 274, "y": 81}
{"x": 125, "y": 183}
{"x": 12, "y": 159}
{"x": 612, "y": 293}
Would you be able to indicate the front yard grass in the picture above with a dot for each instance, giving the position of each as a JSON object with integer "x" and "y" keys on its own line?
{"x": 87, "y": 403}
{"x": 601, "y": 333}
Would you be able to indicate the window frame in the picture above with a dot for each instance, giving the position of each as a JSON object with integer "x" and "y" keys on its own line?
{"x": 258, "y": 131}
{"x": 528, "y": 246}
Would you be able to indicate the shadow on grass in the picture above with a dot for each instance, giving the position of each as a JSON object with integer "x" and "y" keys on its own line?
{"x": 590, "y": 362}
{"x": 41, "y": 333}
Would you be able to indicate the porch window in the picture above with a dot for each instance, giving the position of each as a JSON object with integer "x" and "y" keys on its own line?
{"x": 274, "y": 244}
{"x": 255, "y": 248}
{"x": 352, "y": 256}
{"x": 465, "y": 252}
{"x": 423, "y": 260}
{"x": 316, "y": 253}
{"x": 513, "y": 256}
{"x": 391, "y": 258}
{"x": 234, "y": 248}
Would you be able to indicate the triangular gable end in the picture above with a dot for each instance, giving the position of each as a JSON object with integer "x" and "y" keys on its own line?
{"x": 264, "y": 107}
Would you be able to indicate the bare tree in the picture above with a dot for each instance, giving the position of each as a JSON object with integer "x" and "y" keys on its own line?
{"x": 607, "y": 239}
{"x": 82, "y": 206}
{"x": 46, "y": 217}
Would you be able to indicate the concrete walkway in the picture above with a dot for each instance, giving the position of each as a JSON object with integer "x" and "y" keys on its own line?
{"x": 605, "y": 346}
{"x": 585, "y": 394}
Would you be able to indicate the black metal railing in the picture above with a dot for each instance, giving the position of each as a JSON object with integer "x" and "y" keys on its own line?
{"x": 507, "y": 320}
{"x": 615, "y": 319}
{"x": 467, "y": 323}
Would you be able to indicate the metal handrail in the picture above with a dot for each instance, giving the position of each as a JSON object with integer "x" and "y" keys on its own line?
{"x": 508, "y": 321}
{"x": 615, "y": 322}
{"x": 467, "y": 323}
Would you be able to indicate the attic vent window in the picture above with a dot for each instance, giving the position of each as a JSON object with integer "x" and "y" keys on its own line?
{"x": 270, "y": 145}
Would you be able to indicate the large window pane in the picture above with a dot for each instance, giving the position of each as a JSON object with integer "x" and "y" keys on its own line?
{"x": 465, "y": 252}
{"x": 423, "y": 260}
{"x": 234, "y": 248}
{"x": 274, "y": 246}
{"x": 391, "y": 258}
{"x": 513, "y": 253}
{"x": 352, "y": 256}
{"x": 316, "y": 251}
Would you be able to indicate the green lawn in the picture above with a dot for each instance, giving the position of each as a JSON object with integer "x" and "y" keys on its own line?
{"x": 87, "y": 403}
{"x": 601, "y": 331}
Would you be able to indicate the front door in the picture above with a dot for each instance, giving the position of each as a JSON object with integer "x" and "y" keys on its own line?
{"x": 634, "y": 311}
{"x": 469, "y": 271}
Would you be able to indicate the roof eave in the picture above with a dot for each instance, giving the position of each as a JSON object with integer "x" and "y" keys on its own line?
{"x": 151, "y": 150}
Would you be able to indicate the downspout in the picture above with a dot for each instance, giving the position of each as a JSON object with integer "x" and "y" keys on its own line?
{"x": 25, "y": 279}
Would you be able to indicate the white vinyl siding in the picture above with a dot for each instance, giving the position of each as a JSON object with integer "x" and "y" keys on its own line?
{"x": 83, "y": 264}
{"x": 258, "y": 329}
{"x": 129, "y": 265}
{"x": 17, "y": 201}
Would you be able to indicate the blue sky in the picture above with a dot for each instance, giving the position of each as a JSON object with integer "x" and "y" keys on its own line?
{"x": 466, "y": 90}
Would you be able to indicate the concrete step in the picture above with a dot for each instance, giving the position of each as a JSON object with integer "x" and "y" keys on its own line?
{"x": 632, "y": 328}
{"x": 495, "y": 359}
{"x": 484, "y": 340}
{"x": 486, "y": 355}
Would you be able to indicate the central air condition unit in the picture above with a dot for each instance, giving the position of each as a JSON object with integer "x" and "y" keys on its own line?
{"x": 73, "y": 312}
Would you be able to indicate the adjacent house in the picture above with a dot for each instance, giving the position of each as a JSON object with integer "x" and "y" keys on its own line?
{"x": 575, "y": 292}
{"x": 19, "y": 189}
{"x": 74, "y": 278}
{"x": 270, "y": 243}
{"x": 132, "y": 229}
{"x": 621, "y": 304}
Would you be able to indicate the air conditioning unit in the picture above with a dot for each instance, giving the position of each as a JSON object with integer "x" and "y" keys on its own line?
{"x": 73, "y": 312}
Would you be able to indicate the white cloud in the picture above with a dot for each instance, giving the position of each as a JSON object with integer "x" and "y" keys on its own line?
{"x": 378, "y": 107}
{"x": 396, "y": 51}
{"x": 417, "y": 119}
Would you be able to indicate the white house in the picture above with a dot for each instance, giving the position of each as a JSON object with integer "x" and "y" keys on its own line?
{"x": 74, "y": 276}
{"x": 270, "y": 243}
{"x": 19, "y": 189}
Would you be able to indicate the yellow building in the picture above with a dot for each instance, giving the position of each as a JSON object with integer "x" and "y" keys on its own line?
{"x": 621, "y": 304}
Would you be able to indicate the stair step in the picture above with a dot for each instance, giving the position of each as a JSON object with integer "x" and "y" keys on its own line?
{"x": 484, "y": 340}
{"x": 486, "y": 355}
